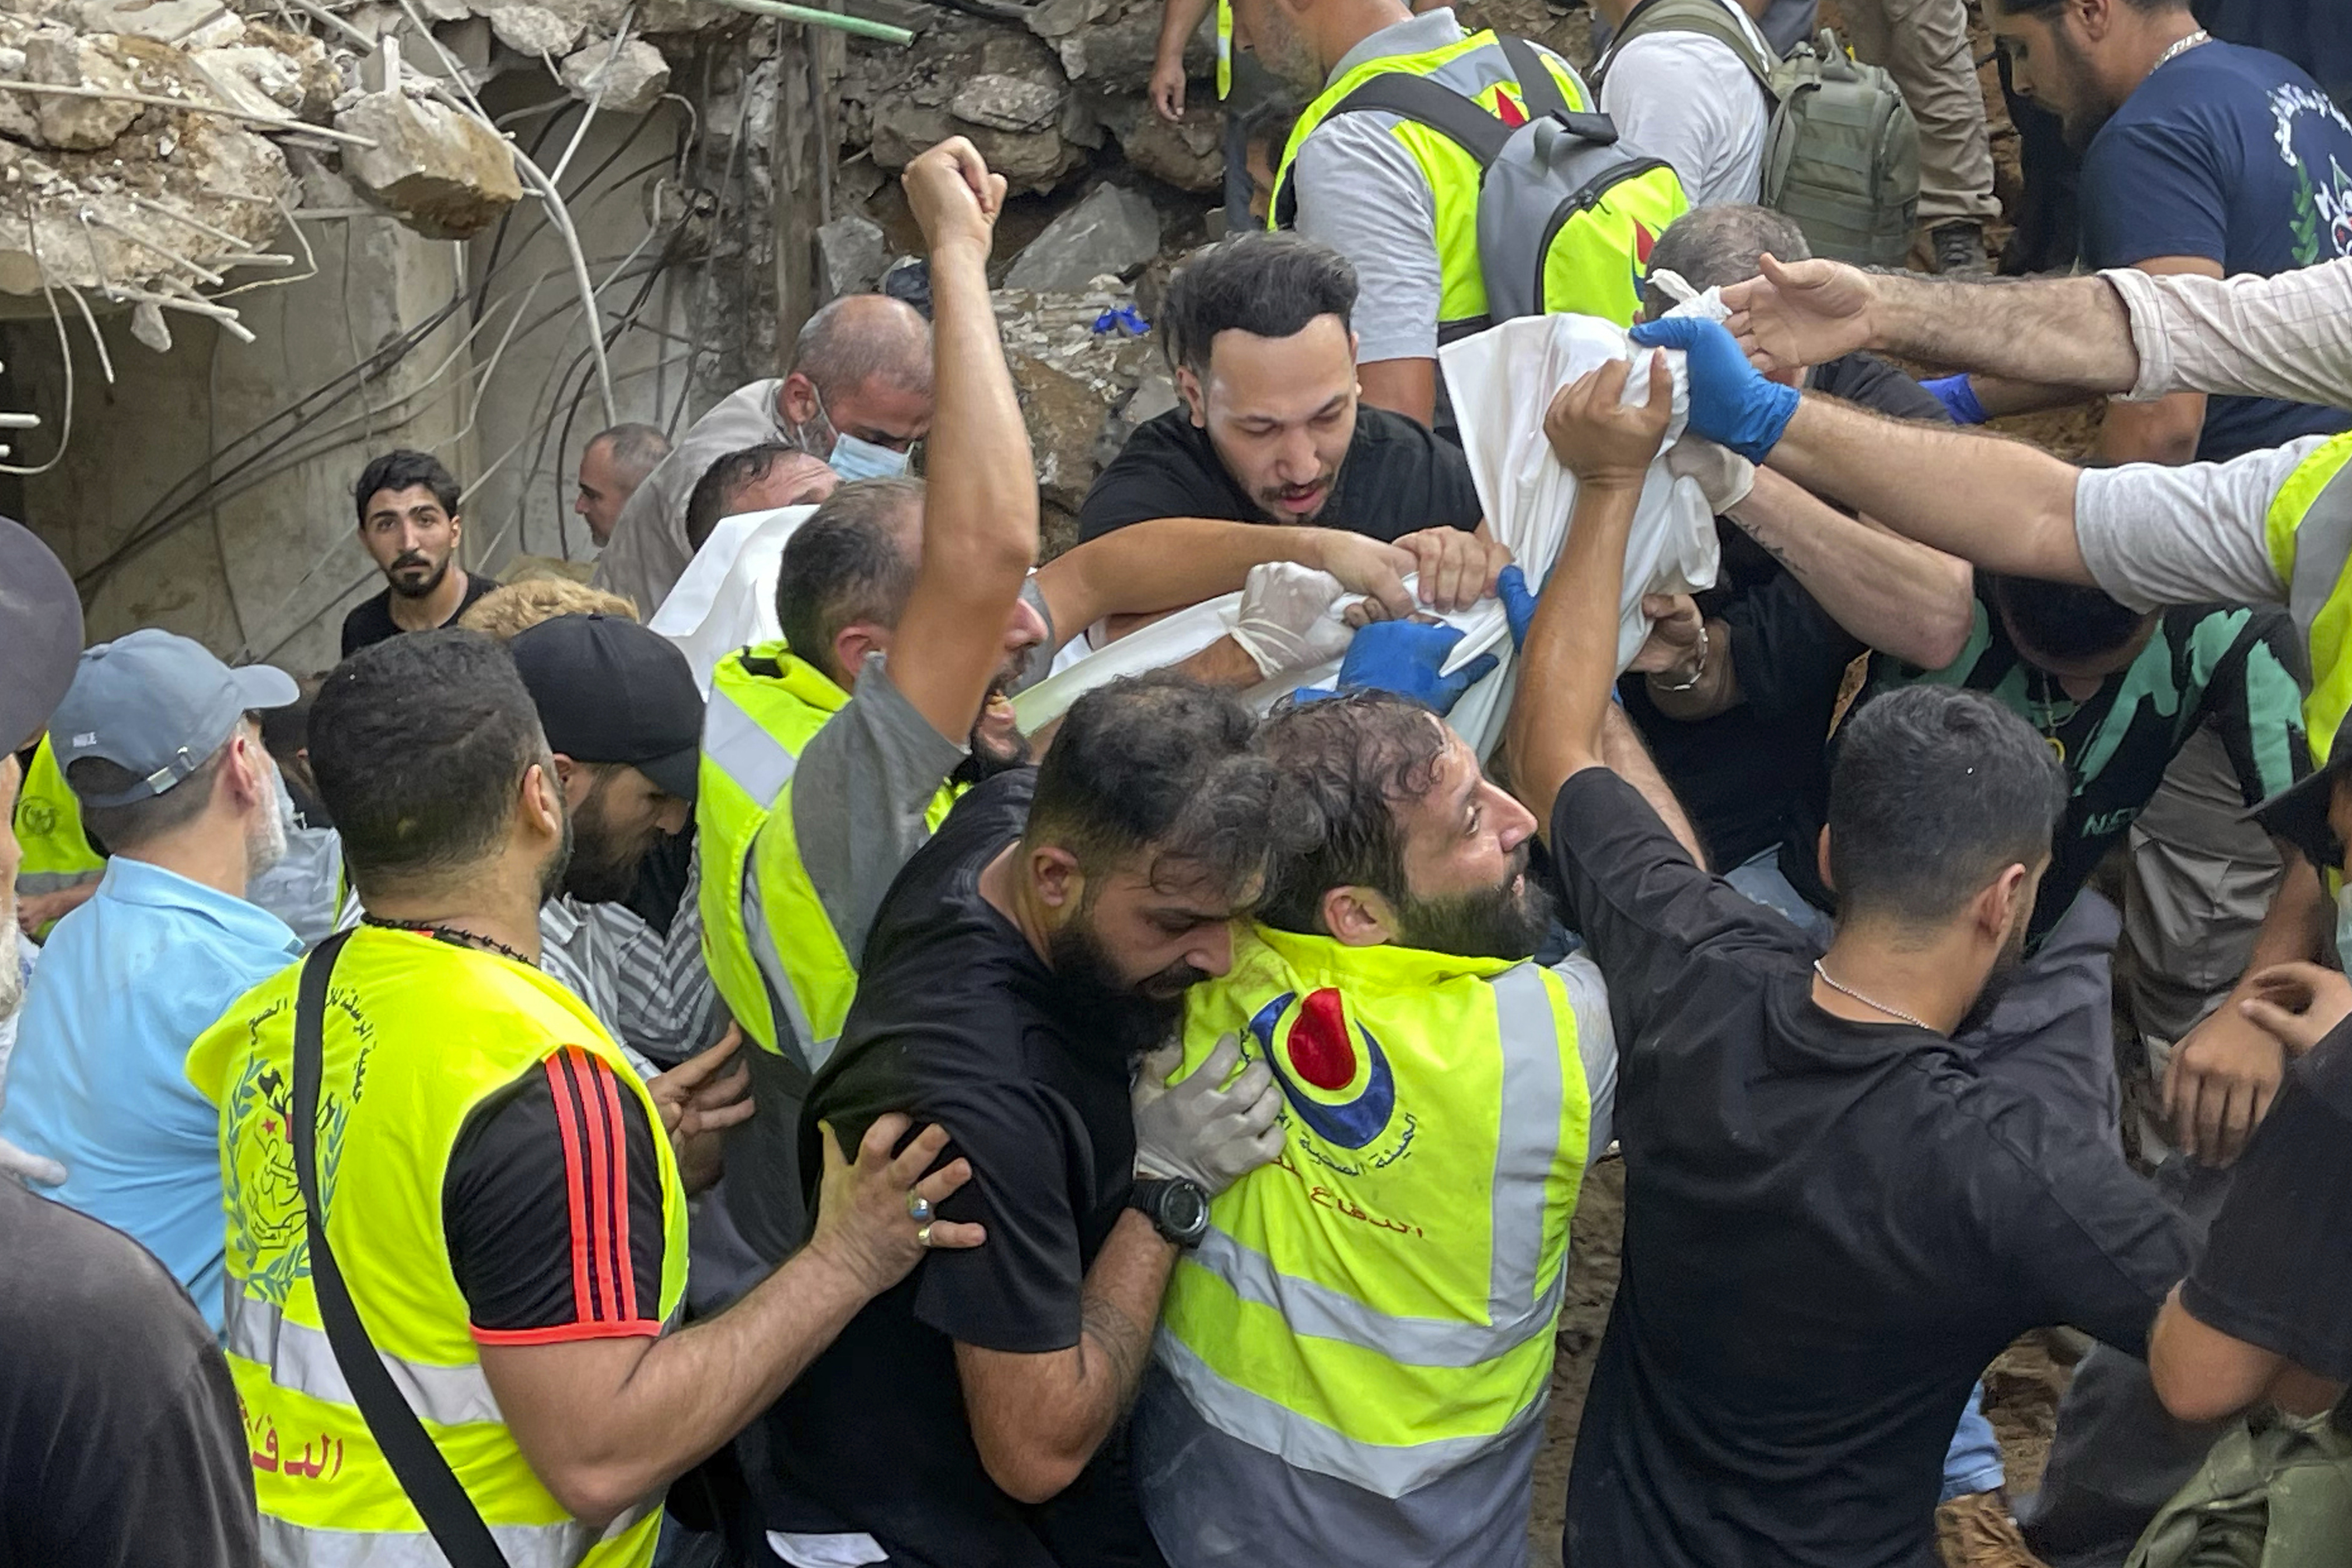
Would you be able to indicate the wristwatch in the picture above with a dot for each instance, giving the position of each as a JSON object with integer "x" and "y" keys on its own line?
{"x": 1178, "y": 1209}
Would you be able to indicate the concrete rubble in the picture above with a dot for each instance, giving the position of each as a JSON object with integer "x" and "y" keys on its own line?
{"x": 1112, "y": 233}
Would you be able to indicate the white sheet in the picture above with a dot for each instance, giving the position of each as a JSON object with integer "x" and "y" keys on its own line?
{"x": 727, "y": 596}
{"x": 1501, "y": 381}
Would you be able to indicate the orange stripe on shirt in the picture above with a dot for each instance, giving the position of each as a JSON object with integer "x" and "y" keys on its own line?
{"x": 611, "y": 1092}
{"x": 600, "y": 1178}
{"x": 567, "y": 1122}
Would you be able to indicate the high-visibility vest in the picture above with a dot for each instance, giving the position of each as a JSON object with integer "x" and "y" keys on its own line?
{"x": 47, "y": 821}
{"x": 1476, "y": 67}
{"x": 770, "y": 947}
{"x": 1377, "y": 1304}
{"x": 418, "y": 1033}
{"x": 2309, "y": 531}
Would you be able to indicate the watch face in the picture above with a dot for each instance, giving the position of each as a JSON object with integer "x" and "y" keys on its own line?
{"x": 1184, "y": 1207}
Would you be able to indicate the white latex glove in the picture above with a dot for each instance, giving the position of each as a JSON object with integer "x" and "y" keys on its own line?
{"x": 1286, "y": 621}
{"x": 1211, "y": 1133}
{"x": 1723, "y": 477}
{"x": 34, "y": 1170}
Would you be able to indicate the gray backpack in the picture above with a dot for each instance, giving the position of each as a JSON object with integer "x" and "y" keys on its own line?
{"x": 1841, "y": 157}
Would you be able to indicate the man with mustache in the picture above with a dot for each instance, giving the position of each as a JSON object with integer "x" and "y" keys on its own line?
{"x": 1833, "y": 1220}
{"x": 1272, "y": 428}
{"x": 1029, "y": 954}
{"x": 1355, "y": 1358}
{"x": 408, "y": 505}
{"x": 156, "y": 739}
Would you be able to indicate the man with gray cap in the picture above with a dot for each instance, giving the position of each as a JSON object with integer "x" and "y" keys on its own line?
{"x": 120, "y": 1439}
{"x": 170, "y": 774}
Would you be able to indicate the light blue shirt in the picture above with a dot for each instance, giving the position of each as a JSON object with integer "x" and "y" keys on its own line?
{"x": 99, "y": 1081}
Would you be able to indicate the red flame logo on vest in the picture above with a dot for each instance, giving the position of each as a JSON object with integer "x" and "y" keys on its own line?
{"x": 1320, "y": 1053}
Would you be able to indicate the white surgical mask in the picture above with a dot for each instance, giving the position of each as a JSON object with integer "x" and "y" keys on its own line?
{"x": 856, "y": 459}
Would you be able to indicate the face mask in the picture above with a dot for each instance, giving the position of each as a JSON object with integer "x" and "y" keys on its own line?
{"x": 854, "y": 458}
{"x": 2343, "y": 925}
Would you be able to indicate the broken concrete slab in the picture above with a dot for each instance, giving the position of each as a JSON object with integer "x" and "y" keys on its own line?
{"x": 1113, "y": 231}
{"x": 1013, "y": 103}
{"x": 534, "y": 30}
{"x": 851, "y": 252}
{"x": 80, "y": 124}
{"x": 631, "y": 83}
{"x": 1190, "y": 156}
{"x": 444, "y": 173}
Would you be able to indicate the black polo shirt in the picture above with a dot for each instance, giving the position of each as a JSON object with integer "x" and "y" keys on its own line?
{"x": 1396, "y": 480}
{"x": 957, "y": 1021}
{"x": 1831, "y": 1229}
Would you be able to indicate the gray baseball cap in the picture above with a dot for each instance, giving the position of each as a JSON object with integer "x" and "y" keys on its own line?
{"x": 157, "y": 706}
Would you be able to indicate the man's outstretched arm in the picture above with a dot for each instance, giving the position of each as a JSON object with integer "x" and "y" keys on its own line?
{"x": 2070, "y": 332}
{"x": 1998, "y": 503}
{"x": 980, "y": 514}
{"x": 2122, "y": 331}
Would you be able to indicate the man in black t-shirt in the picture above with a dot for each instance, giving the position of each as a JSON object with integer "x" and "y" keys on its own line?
{"x": 1271, "y": 430}
{"x": 1027, "y": 954}
{"x": 1803, "y": 587}
{"x": 408, "y": 506}
{"x": 1832, "y": 1220}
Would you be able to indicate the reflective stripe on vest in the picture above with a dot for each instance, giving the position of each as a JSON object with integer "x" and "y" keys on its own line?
{"x": 1350, "y": 1312}
{"x": 57, "y": 853}
{"x": 523, "y": 1545}
{"x": 2309, "y": 532}
{"x": 809, "y": 976}
{"x": 419, "y": 1034}
{"x": 1475, "y": 68}
{"x": 764, "y": 706}
{"x": 301, "y": 1358}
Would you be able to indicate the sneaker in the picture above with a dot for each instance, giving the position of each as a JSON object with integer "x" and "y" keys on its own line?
{"x": 1958, "y": 248}
{"x": 1977, "y": 1532}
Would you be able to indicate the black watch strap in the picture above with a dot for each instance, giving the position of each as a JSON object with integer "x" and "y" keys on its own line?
{"x": 1178, "y": 1209}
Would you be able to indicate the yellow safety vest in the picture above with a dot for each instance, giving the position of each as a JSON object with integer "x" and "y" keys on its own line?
{"x": 1378, "y": 1305}
{"x": 2309, "y": 530}
{"x": 418, "y": 1033}
{"x": 1608, "y": 282}
{"x": 770, "y": 945}
{"x": 47, "y": 822}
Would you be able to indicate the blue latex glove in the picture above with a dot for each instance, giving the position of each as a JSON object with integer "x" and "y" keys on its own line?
{"x": 1405, "y": 658}
{"x": 1519, "y": 604}
{"x": 1730, "y": 401}
{"x": 1959, "y": 397}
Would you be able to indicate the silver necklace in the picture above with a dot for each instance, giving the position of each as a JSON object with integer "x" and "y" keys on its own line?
{"x": 2180, "y": 47}
{"x": 1881, "y": 1006}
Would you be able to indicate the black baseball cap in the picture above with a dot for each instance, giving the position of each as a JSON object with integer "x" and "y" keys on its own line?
{"x": 40, "y": 633}
{"x": 610, "y": 690}
{"x": 2298, "y": 813}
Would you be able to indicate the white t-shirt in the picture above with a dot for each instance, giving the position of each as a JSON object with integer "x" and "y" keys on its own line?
{"x": 1687, "y": 99}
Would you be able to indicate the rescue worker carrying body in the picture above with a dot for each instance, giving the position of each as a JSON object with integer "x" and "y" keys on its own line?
{"x": 909, "y": 614}
{"x": 1353, "y": 1362}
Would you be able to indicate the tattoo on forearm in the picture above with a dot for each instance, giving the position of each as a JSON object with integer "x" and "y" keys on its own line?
{"x": 1121, "y": 1343}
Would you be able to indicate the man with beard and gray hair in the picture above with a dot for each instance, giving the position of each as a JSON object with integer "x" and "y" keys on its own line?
{"x": 156, "y": 740}
{"x": 120, "y": 1438}
{"x": 1445, "y": 1092}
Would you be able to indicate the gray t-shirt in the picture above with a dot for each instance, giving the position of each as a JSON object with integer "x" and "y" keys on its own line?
{"x": 2154, "y": 535}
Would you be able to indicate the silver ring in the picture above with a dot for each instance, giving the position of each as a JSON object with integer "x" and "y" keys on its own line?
{"x": 923, "y": 1237}
{"x": 918, "y": 1207}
